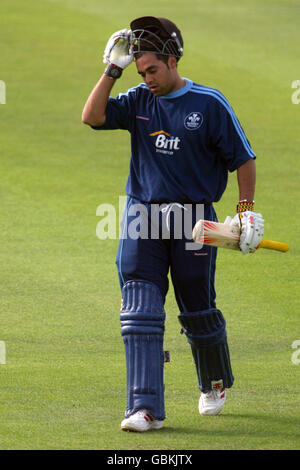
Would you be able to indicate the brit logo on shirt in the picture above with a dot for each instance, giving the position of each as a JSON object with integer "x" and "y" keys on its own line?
{"x": 165, "y": 143}
{"x": 193, "y": 121}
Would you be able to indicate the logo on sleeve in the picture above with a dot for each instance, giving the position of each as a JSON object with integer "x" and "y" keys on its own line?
{"x": 193, "y": 121}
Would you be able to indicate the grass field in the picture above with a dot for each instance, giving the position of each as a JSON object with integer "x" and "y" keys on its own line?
{"x": 63, "y": 383}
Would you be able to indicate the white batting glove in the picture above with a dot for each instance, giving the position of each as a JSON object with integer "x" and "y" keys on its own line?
{"x": 117, "y": 50}
{"x": 229, "y": 220}
{"x": 252, "y": 229}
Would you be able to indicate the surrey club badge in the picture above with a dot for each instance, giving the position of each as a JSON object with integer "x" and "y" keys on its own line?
{"x": 193, "y": 121}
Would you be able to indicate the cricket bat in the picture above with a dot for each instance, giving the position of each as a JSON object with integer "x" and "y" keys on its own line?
{"x": 227, "y": 236}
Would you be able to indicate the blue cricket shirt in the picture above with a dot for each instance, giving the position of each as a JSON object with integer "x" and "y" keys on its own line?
{"x": 182, "y": 144}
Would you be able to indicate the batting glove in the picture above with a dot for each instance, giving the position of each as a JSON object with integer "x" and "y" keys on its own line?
{"x": 251, "y": 226}
{"x": 117, "y": 51}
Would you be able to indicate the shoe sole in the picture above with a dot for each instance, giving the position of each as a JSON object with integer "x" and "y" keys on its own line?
{"x": 211, "y": 413}
{"x": 128, "y": 427}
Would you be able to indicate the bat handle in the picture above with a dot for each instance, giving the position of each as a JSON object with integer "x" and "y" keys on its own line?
{"x": 271, "y": 245}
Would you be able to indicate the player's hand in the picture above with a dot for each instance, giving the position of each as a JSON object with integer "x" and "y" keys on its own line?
{"x": 117, "y": 50}
{"x": 252, "y": 229}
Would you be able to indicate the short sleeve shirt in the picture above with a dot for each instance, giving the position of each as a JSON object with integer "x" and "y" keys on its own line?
{"x": 182, "y": 144}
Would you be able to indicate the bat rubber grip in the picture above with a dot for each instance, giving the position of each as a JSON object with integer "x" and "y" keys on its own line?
{"x": 271, "y": 245}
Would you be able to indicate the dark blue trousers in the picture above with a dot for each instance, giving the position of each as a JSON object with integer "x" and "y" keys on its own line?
{"x": 169, "y": 250}
{"x": 157, "y": 239}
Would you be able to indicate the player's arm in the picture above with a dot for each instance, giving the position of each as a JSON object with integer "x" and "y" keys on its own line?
{"x": 118, "y": 56}
{"x": 94, "y": 109}
{"x": 246, "y": 176}
{"x": 251, "y": 223}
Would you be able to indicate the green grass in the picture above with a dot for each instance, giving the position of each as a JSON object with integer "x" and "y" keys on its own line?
{"x": 63, "y": 386}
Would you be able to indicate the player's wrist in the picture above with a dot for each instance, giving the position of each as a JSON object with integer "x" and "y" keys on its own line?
{"x": 113, "y": 71}
{"x": 245, "y": 205}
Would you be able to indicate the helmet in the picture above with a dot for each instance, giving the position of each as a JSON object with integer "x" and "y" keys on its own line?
{"x": 158, "y": 35}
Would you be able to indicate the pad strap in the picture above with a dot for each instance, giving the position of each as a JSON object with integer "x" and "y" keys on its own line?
{"x": 205, "y": 328}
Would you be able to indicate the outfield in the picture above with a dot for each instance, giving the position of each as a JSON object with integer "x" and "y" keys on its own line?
{"x": 63, "y": 383}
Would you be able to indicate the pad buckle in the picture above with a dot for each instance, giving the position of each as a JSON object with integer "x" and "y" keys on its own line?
{"x": 166, "y": 356}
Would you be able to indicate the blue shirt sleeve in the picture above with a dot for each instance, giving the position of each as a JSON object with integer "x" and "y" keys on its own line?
{"x": 119, "y": 112}
{"x": 228, "y": 136}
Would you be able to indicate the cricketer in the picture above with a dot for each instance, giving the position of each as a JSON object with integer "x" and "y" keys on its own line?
{"x": 185, "y": 138}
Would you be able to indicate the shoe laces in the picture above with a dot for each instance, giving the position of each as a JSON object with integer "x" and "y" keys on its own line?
{"x": 214, "y": 394}
{"x": 211, "y": 394}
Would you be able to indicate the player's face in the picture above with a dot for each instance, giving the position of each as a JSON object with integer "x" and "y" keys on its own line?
{"x": 160, "y": 78}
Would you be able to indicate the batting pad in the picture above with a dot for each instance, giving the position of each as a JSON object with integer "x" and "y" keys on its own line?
{"x": 206, "y": 333}
{"x": 142, "y": 327}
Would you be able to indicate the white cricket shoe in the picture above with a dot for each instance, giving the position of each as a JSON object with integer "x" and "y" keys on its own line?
{"x": 211, "y": 403}
{"x": 141, "y": 421}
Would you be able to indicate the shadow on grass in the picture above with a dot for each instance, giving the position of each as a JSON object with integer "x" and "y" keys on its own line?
{"x": 241, "y": 424}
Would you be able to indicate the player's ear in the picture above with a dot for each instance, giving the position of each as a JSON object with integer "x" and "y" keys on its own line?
{"x": 172, "y": 62}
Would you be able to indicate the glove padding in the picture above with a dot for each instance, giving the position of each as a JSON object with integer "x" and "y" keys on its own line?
{"x": 117, "y": 50}
{"x": 251, "y": 225}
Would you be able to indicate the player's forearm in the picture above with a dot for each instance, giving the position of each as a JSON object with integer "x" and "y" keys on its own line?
{"x": 246, "y": 175}
{"x": 94, "y": 109}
